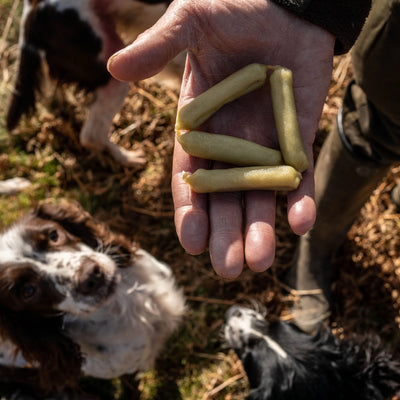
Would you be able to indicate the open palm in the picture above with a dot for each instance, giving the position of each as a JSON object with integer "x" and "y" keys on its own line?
{"x": 220, "y": 37}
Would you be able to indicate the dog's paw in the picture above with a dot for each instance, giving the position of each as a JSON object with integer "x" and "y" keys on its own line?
{"x": 128, "y": 158}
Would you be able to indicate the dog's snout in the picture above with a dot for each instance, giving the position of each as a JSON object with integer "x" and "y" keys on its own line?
{"x": 91, "y": 278}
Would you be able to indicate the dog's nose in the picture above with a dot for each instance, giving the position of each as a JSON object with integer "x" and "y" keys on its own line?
{"x": 91, "y": 278}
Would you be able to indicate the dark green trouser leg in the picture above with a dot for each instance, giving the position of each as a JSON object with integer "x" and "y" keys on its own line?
{"x": 343, "y": 185}
{"x": 376, "y": 62}
{"x": 350, "y": 166}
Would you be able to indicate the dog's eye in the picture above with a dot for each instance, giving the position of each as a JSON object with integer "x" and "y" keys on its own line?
{"x": 28, "y": 291}
{"x": 53, "y": 236}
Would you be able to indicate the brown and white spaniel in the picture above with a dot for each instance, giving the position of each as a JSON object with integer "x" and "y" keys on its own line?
{"x": 77, "y": 299}
{"x": 71, "y": 41}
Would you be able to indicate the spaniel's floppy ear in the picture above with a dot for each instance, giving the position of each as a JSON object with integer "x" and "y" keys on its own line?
{"x": 42, "y": 343}
{"x": 80, "y": 223}
{"x": 73, "y": 218}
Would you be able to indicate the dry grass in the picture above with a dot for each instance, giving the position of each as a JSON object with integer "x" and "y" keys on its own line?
{"x": 137, "y": 202}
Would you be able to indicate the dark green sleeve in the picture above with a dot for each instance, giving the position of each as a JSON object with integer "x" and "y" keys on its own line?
{"x": 343, "y": 18}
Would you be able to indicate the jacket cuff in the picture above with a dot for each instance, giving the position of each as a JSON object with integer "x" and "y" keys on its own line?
{"x": 343, "y": 18}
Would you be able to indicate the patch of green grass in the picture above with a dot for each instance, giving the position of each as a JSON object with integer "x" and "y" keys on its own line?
{"x": 51, "y": 167}
{"x": 4, "y": 137}
{"x": 5, "y": 8}
{"x": 7, "y": 4}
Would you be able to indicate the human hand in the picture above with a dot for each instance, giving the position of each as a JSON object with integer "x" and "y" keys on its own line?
{"x": 222, "y": 36}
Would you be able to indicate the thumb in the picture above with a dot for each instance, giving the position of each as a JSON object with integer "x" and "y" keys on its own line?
{"x": 153, "y": 49}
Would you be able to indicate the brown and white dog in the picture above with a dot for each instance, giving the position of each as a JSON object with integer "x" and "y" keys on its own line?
{"x": 77, "y": 299}
{"x": 71, "y": 40}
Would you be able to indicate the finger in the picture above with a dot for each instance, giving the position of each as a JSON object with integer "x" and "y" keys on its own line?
{"x": 259, "y": 231}
{"x": 301, "y": 205}
{"x": 153, "y": 49}
{"x": 226, "y": 242}
{"x": 191, "y": 217}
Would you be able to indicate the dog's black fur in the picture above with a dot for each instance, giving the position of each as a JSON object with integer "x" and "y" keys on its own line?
{"x": 284, "y": 363}
{"x": 70, "y": 42}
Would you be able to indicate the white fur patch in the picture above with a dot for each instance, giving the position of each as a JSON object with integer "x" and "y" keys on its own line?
{"x": 271, "y": 343}
{"x": 239, "y": 328}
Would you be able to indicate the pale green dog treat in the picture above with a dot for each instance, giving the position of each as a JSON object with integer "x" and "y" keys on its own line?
{"x": 282, "y": 177}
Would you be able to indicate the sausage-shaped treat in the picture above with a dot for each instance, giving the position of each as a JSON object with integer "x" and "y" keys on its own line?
{"x": 282, "y": 177}
{"x": 228, "y": 149}
{"x": 243, "y": 81}
{"x": 290, "y": 141}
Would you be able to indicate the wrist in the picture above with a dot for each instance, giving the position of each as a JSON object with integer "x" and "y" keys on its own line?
{"x": 342, "y": 18}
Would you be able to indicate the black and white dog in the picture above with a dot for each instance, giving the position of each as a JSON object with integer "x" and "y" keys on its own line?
{"x": 77, "y": 299}
{"x": 284, "y": 363}
{"x": 71, "y": 41}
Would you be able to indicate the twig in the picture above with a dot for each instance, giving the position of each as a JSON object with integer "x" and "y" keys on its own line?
{"x": 218, "y": 357}
{"x": 303, "y": 292}
{"x": 392, "y": 216}
{"x": 8, "y": 26}
{"x": 222, "y": 386}
{"x": 129, "y": 128}
{"x": 149, "y": 96}
{"x": 294, "y": 292}
{"x": 144, "y": 211}
{"x": 210, "y": 300}
{"x": 341, "y": 73}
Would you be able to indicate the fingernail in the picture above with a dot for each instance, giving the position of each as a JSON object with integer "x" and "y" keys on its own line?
{"x": 113, "y": 58}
